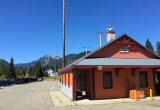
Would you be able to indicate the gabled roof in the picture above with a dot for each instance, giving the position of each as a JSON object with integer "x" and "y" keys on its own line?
{"x": 79, "y": 61}
{"x": 119, "y": 62}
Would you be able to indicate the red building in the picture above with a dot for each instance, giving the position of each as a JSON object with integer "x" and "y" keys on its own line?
{"x": 112, "y": 70}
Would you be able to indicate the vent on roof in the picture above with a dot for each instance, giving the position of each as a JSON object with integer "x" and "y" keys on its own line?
{"x": 124, "y": 50}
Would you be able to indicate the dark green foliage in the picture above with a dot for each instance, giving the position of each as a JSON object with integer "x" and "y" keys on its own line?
{"x": 56, "y": 68}
{"x": 29, "y": 71}
{"x": 11, "y": 73}
{"x": 52, "y": 67}
{"x": 158, "y": 48}
{"x": 38, "y": 70}
{"x": 45, "y": 73}
{"x": 73, "y": 57}
{"x": 2, "y": 68}
{"x": 23, "y": 72}
{"x": 8, "y": 71}
{"x": 149, "y": 45}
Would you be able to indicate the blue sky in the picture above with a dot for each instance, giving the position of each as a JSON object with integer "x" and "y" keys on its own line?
{"x": 30, "y": 29}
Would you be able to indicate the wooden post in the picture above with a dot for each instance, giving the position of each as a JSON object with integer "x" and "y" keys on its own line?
{"x": 63, "y": 59}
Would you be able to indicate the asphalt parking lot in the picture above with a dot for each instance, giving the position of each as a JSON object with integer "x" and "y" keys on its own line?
{"x": 35, "y": 96}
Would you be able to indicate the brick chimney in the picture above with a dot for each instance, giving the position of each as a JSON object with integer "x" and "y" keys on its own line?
{"x": 110, "y": 34}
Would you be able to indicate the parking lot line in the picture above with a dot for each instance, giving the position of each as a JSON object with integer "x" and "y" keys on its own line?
{"x": 51, "y": 87}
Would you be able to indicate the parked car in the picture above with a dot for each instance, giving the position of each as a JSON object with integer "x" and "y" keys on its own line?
{"x": 17, "y": 80}
{"x": 30, "y": 79}
{"x": 34, "y": 79}
{"x": 40, "y": 79}
{"x": 25, "y": 80}
{"x": 21, "y": 80}
{"x": 5, "y": 82}
{"x": 0, "y": 84}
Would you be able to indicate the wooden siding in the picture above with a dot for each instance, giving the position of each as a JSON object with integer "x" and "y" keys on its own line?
{"x": 122, "y": 83}
{"x": 135, "y": 50}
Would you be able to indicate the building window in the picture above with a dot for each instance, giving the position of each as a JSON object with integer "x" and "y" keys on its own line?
{"x": 124, "y": 50}
{"x": 143, "y": 79}
{"x": 69, "y": 80}
{"x": 107, "y": 80}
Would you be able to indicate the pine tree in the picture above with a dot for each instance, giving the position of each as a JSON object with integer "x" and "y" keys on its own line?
{"x": 38, "y": 70}
{"x": 45, "y": 73}
{"x": 2, "y": 68}
{"x": 149, "y": 45}
{"x": 52, "y": 67}
{"x": 23, "y": 72}
{"x": 158, "y": 48}
{"x": 29, "y": 71}
{"x": 11, "y": 71}
{"x": 56, "y": 68}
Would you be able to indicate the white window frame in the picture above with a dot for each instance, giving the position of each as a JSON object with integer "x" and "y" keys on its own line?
{"x": 124, "y": 50}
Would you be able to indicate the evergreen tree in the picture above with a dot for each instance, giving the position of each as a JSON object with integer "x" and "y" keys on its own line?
{"x": 52, "y": 67}
{"x": 158, "y": 48}
{"x": 45, "y": 73}
{"x": 23, "y": 72}
{"x": 47, "y": 67}
{"x": 2, "y": 68}
{"x": 11, "y": 72}
{"x": 17, "y": 73}
{"x": 149, "y": 45}
{"x": 38, "y": 70}
{"x": 29, "y": 71}
{"x": 56, "y": 68}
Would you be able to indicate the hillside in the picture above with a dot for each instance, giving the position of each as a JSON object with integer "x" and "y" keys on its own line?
{"x": 49, "y": 59}
{"x": 5, "y": 63}
{"x": 71, "y": 58}
{"x": 46, "y": 60}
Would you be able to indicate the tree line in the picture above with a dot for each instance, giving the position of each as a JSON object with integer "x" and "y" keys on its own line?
{"x": 149, "y": 46}
{"x": 8, "y": 72}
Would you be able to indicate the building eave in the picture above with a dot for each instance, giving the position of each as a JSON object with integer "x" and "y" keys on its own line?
{"x": 105, "y": 67}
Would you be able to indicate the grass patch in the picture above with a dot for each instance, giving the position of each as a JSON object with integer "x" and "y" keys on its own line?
{"x": 2, "y": 77}
{"x": 51, "y": 78}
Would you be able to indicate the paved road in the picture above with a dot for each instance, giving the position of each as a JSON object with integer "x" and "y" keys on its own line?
{"x": 32, "y": 96}
{"x": 35, "y": 96}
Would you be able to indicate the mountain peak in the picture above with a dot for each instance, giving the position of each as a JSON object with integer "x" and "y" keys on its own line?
{"x": 49, "y": 56}
{"x": 53, "y": 57}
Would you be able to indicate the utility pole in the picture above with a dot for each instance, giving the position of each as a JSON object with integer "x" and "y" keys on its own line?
{"x": 55, "y": 65}
{"x": 63, "y": 59}
{"x": 86, "y": 49}
{"x": 100, "y": 37}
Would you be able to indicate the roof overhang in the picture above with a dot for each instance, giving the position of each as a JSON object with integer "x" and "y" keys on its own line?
{"x": 104, "y": 67}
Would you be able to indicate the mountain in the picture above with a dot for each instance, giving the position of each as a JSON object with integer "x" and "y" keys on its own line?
{"x": 5, "y": 63}
{"x": 73, "y": 57}
{"x": 49, "y": 59}
{"x": 46, "y": 60}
